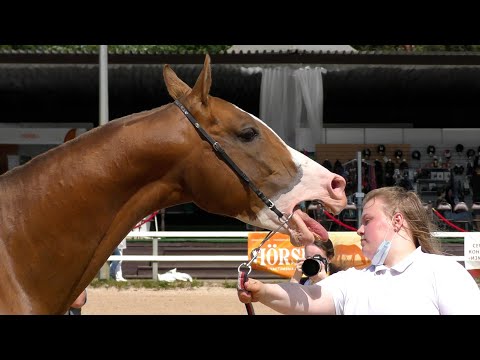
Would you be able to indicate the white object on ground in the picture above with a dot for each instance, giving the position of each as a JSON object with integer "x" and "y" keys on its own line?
{"x": 173, "y": 275}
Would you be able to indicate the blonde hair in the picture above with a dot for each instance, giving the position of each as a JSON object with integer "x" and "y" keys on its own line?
{"x": 420, "y": 225}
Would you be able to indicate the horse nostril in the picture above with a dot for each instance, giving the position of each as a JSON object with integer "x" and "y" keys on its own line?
{"x": 338, "y": 182}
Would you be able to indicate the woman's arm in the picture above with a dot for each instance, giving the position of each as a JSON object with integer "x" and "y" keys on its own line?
{"x": 289, "y": 298}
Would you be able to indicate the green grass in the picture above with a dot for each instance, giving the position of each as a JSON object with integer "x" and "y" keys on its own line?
{"x": 162, "y": 285}
{"x": 145, "y": 284}
{"x": 451, "y": 240}
{"x": 229, "y": 284}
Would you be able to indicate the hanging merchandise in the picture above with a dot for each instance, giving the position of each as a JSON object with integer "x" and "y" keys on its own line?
{"x": 458, "y": 169}
{"x": 338, "y": 168}
{"x": 379, "y": 173}
{"x": 398, "y": 154}
{"x": 447, "y": 154}
{"x": 430, "y": 150}
{"x": 389, "y": 172}
{"x": 327, "y": 165}
{"x": 459, "y": 148}
{"x": 366, "y": 153}
{"x": 469, "y": 169}
{"x": 381, "y": 149}
{"x": 416, "y": 155}
{"x": 403, "y": 165}
{"x": 470, "y": 153}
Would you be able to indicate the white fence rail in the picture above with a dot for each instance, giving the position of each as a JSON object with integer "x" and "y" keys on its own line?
{"x": 178, "y": 258}
{"x": 164, "y": 235}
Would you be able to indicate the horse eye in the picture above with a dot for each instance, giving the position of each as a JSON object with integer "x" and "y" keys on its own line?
{"x": 248, "y": 134}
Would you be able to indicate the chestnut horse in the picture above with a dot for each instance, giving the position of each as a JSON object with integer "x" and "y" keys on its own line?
{"x": 64, "y": 212}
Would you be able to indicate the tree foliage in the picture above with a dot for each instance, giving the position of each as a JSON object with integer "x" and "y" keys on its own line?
{"x": 212, "y": 49}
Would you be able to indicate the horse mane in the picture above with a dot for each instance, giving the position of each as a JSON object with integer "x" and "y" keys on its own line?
{"x": 52, "y": 196}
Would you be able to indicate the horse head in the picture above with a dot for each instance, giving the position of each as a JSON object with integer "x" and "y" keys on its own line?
{"x": 284, "y": 175}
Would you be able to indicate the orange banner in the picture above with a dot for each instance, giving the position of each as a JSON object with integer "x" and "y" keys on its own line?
{"x": 279, "y": 256}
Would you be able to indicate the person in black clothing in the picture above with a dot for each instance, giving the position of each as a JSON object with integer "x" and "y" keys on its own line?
{"x": 446, "y": 196}
{"x": 475, "y": 184}
{"x": 76, "y": 307}
{"x": 379, "y": 173}
{"x": 389, "y": 172}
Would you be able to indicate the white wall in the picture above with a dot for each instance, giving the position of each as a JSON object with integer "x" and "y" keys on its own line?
{"x": 421, "y": 137}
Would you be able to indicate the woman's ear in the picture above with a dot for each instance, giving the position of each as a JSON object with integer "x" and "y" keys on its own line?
{"x": 397, "y": 221}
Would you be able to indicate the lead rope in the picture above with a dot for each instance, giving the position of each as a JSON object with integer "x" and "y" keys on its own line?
{"x": 244, "y": 269}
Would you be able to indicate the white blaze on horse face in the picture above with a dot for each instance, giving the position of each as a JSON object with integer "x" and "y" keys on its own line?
{"x": 314, "y": 183}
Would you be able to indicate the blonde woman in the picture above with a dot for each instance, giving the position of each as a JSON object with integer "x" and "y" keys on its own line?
{"x": 407, "y": 275}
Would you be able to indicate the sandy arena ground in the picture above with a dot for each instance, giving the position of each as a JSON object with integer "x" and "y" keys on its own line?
{"x": 205, "y": 300}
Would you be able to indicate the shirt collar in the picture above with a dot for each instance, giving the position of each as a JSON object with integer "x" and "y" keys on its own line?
{"x": 402, "y": 265}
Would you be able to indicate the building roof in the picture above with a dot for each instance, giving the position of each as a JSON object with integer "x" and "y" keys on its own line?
{"x": 296, "y": 56}
{"x": 416, "y": 95}
{"x": 365, "y": 87}
{"x": 290, "y": 48}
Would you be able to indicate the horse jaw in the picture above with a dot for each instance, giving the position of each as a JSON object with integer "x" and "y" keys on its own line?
{"x": 314, "y": 182}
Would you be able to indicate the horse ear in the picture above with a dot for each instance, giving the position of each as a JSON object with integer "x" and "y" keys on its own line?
{"x": 175, "y": 86}
{"x": 204, "y": 81}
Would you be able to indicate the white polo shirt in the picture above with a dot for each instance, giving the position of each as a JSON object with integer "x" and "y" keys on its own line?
{"x": 420, "y": 284}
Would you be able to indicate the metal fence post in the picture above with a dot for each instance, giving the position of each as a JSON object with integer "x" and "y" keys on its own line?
{"x": 104, "y": 273}
{"x": 155, "y": 263}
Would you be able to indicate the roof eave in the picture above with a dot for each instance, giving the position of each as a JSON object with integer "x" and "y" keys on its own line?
{"x": 264, "y": 57}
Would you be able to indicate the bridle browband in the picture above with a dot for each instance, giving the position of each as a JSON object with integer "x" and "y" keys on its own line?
{"x": 218, "y": 148}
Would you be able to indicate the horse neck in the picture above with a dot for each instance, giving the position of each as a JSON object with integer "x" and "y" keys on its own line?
{"x": 69, "y": 208}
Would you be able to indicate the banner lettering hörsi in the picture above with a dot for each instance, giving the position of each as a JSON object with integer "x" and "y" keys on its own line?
{"x": 280, "y": 257}
{"x": 277, "y": 255}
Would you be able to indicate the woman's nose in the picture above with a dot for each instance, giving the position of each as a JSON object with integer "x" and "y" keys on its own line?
{"x": 360, "y": 230}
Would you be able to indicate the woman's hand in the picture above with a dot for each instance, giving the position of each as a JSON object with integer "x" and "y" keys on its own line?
{"x": 297, "y": 275}
{"x": 254, "y": 290}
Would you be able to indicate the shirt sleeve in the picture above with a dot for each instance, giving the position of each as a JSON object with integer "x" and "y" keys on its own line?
{"x": 337, "y": 285}
{"x": 457, "y": 291}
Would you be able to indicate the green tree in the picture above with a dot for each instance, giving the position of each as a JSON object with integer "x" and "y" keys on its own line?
{"x": 212, "y": 49}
